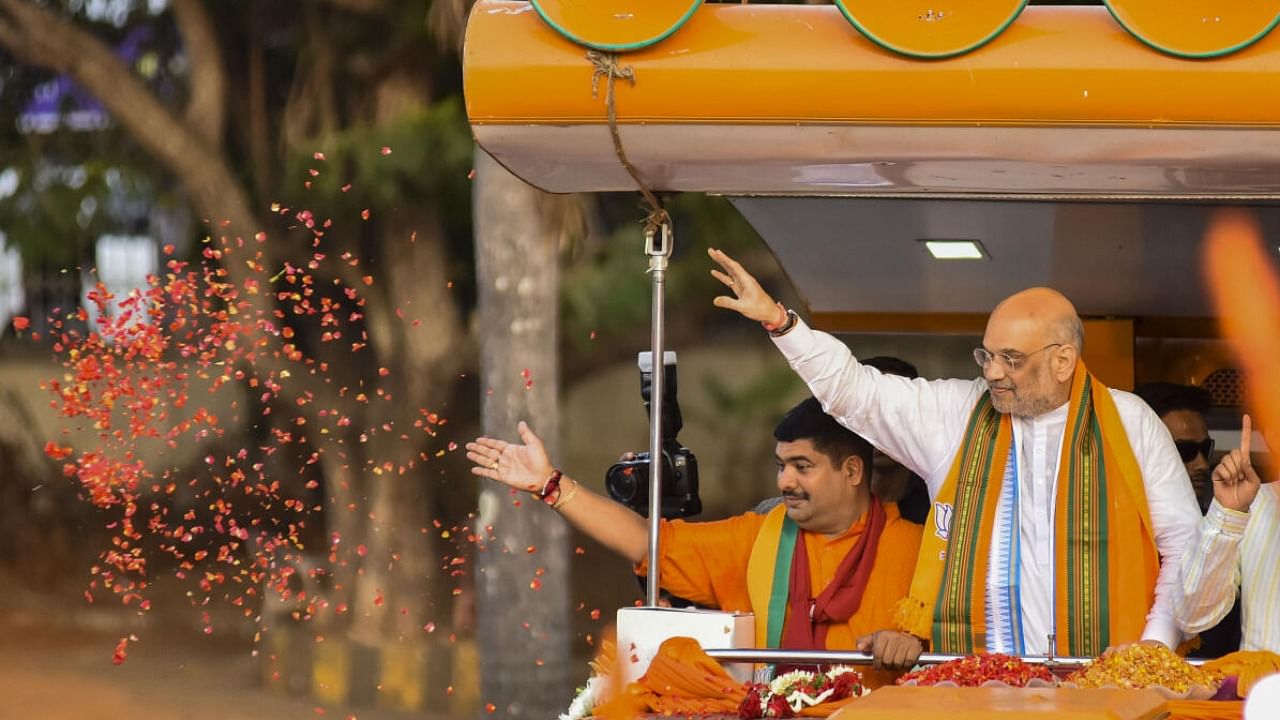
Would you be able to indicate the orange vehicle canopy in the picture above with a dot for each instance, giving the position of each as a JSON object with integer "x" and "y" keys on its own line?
{"x": 1082, "y": 147}
{"x": 794, "y": 99}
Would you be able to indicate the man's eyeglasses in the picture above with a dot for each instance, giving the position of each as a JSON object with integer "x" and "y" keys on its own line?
{"x": 1189, "y": 449}
{"x": 1010, "y": 361}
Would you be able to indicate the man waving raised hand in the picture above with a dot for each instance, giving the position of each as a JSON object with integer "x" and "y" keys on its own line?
{"x": 1060, "y": 506}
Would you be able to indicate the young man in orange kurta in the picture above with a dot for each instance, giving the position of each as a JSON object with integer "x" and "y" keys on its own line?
{"x": 850, "y": 558}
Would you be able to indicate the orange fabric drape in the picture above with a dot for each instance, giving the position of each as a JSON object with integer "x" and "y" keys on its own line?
{"x": 1205, "y": 709}
{"x": 1248, "y": 666}
{"x": 683, "y": 680}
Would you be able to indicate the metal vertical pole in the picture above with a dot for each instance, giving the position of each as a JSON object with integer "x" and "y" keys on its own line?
{"x": 658, "y": 257}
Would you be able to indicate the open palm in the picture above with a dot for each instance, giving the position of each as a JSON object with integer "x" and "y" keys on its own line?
{"x": 523, "y": 467}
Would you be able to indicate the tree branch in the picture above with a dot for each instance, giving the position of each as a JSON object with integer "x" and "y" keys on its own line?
{"x": 43, "y": 38}
{"x": 447, "y": 20}
{"x": 49, "y": 40}
{"x": 26, "y": 45}
{"x": 364, "y": 7}
{"x": 8, "y": 35}
{"x": 206, "y": 110}
{"x": 323, "y": 72}
{"x": 256, "y": 106}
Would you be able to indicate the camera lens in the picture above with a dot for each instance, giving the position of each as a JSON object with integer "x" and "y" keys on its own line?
{"x": 625, "y": 482}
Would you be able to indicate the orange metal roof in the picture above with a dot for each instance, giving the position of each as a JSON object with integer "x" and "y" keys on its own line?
{"x": 806, "y": 64}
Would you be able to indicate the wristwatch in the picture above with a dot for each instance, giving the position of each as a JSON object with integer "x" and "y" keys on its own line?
{"x": 787, "y": 325}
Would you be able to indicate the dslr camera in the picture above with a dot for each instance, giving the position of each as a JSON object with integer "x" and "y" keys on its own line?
{"x": 628, "y": 481}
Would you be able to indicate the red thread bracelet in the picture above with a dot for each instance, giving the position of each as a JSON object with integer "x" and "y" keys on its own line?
{"x": 551, "y": 485}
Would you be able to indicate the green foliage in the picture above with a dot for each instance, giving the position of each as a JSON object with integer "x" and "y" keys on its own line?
{"x": 609, "y": 294}
{"x": 747, "y": 409}
{"x": 430, "y": 154}
{"x": 763, "y": 398}
{"x": 428, "y": 161}
{"x": 58, "y": 209}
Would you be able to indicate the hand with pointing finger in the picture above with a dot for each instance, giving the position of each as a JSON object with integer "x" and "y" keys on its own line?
{"x": 1235, "y": 482}
{"x": 749, "y": 298}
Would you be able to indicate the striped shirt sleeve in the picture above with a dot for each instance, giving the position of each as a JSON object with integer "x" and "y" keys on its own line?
{"x": 1210, "y": 572}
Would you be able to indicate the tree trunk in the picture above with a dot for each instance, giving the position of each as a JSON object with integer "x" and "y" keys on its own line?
{"x": 344, "y": 488}
{"x": 402, "y": 565}
{"x": 384, "y": 511}
{"x": 525, "y": 672}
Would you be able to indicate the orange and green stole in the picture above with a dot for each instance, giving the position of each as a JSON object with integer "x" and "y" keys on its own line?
{"x": 1105, "y": 560}
{"x": 789, "y": 613}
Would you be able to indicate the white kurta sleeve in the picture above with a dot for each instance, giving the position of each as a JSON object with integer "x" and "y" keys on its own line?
{"x": 917, "y": 422}
{"x": 1172, "y": 504}
{"x": 1210, "y": 574}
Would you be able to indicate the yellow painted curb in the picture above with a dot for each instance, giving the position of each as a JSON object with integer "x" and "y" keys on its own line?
{"x": 331, "y": 671}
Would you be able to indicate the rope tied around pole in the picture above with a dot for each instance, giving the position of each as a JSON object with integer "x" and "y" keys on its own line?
{"x": 606, "y": 65}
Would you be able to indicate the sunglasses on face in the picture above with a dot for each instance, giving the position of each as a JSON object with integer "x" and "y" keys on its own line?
{"x": 1189, "y": 449}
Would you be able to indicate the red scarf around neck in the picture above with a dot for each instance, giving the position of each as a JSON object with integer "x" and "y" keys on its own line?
{"x": 809, "y": 618}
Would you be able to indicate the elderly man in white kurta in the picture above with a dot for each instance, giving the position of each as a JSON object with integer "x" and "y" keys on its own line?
{"x": 1060, "y": 507}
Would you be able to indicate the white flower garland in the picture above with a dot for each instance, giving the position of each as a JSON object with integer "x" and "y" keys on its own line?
{"x": 793, "y": 688}
{"x": 585, "y": 703}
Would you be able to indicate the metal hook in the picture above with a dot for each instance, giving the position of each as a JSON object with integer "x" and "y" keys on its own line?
{"x": 668, "y": 240}
{"x": 658, "y": 254}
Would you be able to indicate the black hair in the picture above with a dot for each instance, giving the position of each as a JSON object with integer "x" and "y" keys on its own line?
{"x": 1166, "y": 397}
{"x": 808, "y": 421}
{"x": 892, "y": 366}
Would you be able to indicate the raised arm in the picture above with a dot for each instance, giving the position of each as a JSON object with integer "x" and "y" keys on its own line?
{"x": 1210, "y": 571}
{"x": 527, "y": 468}
{"x": 916, "y": 422}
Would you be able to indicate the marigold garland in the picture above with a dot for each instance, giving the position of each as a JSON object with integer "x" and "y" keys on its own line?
{"x": 974, "y": 670}
{"x": 1144, "y": 666}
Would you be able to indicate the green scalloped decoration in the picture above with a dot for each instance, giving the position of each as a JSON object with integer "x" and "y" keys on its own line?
{"x": 881, "y": 36}
{"x": 1166, "y": 46}
{"x": 576, "y": 28}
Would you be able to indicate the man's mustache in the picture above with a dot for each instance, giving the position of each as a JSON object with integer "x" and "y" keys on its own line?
{"x": 1000, "y": 386}
{"x": 795, "y": 494}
